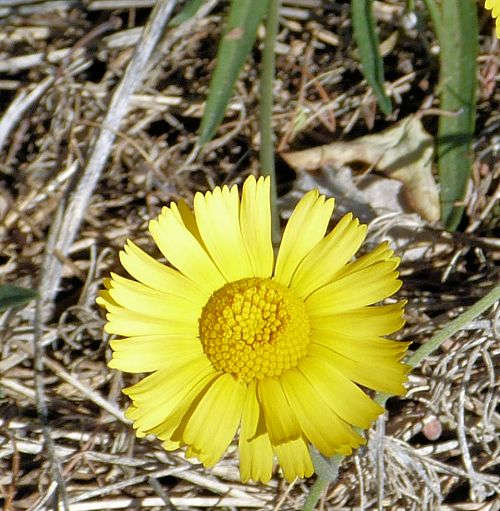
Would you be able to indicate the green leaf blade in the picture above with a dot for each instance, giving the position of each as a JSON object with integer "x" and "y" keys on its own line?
{"x": 243, "y": 20}
{"x": 459, "y": 49}
{"x": 188, "y": 11}
{"x": 368, "y": 44}
{"x": 14, "y": 296}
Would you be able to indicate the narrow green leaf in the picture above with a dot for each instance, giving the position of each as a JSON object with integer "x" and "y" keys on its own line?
{"x": 13, "y": 296}
{"x": 187, "y": 12}
{"x": 266, "y": 87}
{"x": 234, "y": 47}
{"x": 459, "y": 49}
{"x": 367, "y": 41}
{"x": 435, "y": 13}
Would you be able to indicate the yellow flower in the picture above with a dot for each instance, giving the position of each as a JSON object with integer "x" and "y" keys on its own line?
{"x": 238, "y": 340}
{"x": 494, "y": 5}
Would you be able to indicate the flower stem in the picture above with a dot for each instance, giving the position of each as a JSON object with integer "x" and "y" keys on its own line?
{"x": 266, "y": 154}
{"x": 315, "y": 492}
{"x": 327, "y": 471}
{"x": 454, "y": 326}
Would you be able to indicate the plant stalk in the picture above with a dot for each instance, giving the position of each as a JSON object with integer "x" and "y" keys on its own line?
{"x": 266, "y": 154}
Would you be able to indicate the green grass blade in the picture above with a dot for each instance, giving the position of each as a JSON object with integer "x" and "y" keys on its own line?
{"x": 368, "y": 44}
{"x": 187, "y": 12}
{"x": 14, "y": 296}
{"x": 239, "y": 37}
{"x": 459, "y": 49}
{"x": 266, "y": 87}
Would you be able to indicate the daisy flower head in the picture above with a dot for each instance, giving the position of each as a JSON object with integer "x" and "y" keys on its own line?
{"x": 494, "y": 6}
{"x": 237, "y": 340}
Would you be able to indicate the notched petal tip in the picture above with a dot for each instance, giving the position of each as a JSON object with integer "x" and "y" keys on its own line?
{"x": 105, "y": 300}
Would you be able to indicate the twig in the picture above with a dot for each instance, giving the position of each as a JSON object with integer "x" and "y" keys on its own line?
{"x": 41, "y": 402}
{"x": 124, "y": 484}
{"x": 112, "y": 24}
{"x": 161, "y": 493}
{"x": 16, "y": 64}
{"x": 17, "y": 387}
{"x": 361, "y": 484}
{"x": 13, "y": 3}
{"x": 285, "y": 495}
{"x": 21, "y": 103}
{"x": 211, "y": 484}
{"x": 48, "y": 494}
{"x": 380, "y": 465}
{"x": 446, "y": 468}
{"x": 86, "y": 391}
{"x": 475, "y": 487}
{"x": 46, "y": 7}
{"x": 33, "y": 199}
{"x": 119, "y": 4}
{"x": 68, "y": 378}
{"x": 63, "y": 452}
{"x": 187, "y": 502}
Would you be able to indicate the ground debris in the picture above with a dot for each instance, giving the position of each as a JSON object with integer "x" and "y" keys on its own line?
{"x": 60, "y": 62}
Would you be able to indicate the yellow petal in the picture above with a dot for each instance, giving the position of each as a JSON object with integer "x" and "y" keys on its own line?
{"x": 363, "y": 322}
{"x": 129, "y": 324}
{"x": 255, "y": 222}
{"x": 104, "y": 299}
{"x": 150, "y": 302}
{"x": 158, "y": 276}
{"x": 184, "y": 252}
{"x": 215, "y": 419}
{"x": 156, "y": 396}
{"x": 256, "y": 455}
{"x": 304, "y": 230}
{"x": 187, "y": 400}
{"x": 342, "y": 396}
{"x": 328, "y": 257}
{"x": 382, "y": 375}
{"x": 256, "y": 459}
{"x": 381, "y": 253}
{"x": 251, "y": 412}
{"x": 294, "y": 459}
{"x": 322, "y": 427}
{"x": 152, "y": 388}
{"x": 279, "y": 418}
{"x": 357, "y": 348}
{"x": 217, "y": 217}
{"x": 186, "y": 215}
{"x": 364, "y": 287}
{"x": 494, "y": 5}
{"x": 153, "y": 352}
{"x": 170, "y": 445}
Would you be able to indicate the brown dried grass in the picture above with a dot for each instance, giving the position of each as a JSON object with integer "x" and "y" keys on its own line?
{"x": 437, "y": 449}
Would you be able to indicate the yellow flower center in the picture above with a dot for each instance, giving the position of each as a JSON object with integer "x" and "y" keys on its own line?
{"x": 253, "y": 328}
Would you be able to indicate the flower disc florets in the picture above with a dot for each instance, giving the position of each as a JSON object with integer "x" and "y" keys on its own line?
{"x": 253, "y": 328}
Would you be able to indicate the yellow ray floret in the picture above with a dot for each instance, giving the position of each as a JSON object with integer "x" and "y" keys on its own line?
{"x": 237, "y": 341}
{"x": 494, "y": 5}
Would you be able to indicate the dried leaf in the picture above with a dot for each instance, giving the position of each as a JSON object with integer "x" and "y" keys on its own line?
{"x": 403, "y": 152}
